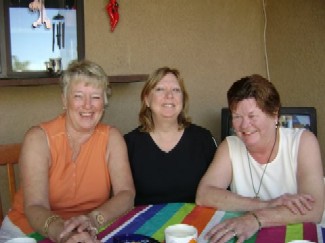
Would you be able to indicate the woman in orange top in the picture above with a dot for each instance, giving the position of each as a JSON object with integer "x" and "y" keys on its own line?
{"x": 75, "y": 174}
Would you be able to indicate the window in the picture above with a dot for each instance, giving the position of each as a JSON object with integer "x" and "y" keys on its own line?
{"x": 39, "y": 38}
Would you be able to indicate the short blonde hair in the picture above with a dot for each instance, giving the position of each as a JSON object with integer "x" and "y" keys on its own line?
{"x": 88, "y": 72}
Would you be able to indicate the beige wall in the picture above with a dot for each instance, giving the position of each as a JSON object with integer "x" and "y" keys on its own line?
{"x": 212, "y": 42}
{"x": 296, "y": 46}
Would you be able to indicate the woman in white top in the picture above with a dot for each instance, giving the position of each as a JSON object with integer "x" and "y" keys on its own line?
{"x": 275, "y": 174}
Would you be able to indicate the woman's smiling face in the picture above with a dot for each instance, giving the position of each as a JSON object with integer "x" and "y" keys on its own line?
{"x": 250, "y": 123}
{"x": 166, "y": 98}
{"x": 85, "y": 106}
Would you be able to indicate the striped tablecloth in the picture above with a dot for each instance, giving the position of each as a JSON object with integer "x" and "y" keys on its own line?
{"x": 151, "y": 220}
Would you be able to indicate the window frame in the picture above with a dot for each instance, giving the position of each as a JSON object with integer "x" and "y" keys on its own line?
{"x": 7, "y": 75}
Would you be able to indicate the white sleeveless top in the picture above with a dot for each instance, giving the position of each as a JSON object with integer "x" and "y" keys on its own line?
{"x": 280, "y": 174}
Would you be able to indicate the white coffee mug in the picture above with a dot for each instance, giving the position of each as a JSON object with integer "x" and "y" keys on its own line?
{"x": 181, "y": 233}
{"x": 21, "y": 240}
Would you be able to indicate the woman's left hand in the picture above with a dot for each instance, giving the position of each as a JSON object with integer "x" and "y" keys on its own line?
{"x": 78, "y": 224}
{"x": 296, "y": 203}
{"x": 240, "y": 228}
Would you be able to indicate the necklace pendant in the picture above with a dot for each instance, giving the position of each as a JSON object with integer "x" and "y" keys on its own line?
{"x": 257, "y": 197}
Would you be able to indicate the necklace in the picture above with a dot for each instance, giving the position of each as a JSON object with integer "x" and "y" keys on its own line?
{"x": 250, "y": 170}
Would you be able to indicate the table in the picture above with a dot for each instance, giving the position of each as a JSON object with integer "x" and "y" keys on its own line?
{"x": 151, "y": 220}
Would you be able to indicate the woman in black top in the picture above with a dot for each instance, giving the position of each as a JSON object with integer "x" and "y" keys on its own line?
{"x": 168, "y": 154}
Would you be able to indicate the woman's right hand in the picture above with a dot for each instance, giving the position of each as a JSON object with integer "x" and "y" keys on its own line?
{"x": 76, "y": 237}
{"x": 78, "y": 229}
{"x": 296, "y": 203}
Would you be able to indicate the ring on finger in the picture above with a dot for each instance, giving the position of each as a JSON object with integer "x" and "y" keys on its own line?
{"x": 234, "y": 234}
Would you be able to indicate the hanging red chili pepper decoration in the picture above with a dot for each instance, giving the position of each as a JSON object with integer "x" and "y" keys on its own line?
{"x": 112, "y": 10}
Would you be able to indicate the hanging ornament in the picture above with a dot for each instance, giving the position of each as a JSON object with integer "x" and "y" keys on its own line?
{"x": 112, "y": 11}
{"x": 38, "y": 5}
{"x": 58, "y": 31}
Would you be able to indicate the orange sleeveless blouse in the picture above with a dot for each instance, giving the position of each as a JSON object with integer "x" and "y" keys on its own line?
{"x": 75, "y": 187}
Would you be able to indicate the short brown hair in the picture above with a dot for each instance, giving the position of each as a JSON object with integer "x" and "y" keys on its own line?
{"x": 257, "y": 87}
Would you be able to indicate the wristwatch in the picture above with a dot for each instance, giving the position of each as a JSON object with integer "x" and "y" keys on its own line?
{"x": 99, "y": 218}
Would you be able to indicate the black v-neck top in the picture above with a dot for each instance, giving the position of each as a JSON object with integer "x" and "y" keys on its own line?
{"x": 162, "y": 177}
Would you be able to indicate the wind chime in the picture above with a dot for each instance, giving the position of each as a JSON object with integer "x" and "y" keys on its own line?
{"x": 58, "y": 32}
{"x": 58, "y": 25}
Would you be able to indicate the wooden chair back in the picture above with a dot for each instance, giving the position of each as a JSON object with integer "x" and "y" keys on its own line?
{"x": 9, "y": 156}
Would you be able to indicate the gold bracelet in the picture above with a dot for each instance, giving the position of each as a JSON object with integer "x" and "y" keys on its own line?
{"x": 97, "y": 218}
{"x": 258, "y": 220}
{"x": 49, "y": 221}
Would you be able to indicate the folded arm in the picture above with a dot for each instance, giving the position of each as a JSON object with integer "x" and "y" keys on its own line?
{"x": 35, "y": 160}
{"x": 305, "y": 206}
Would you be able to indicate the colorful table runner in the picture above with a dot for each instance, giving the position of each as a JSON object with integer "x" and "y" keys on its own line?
{"x": 151, "y": 220}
